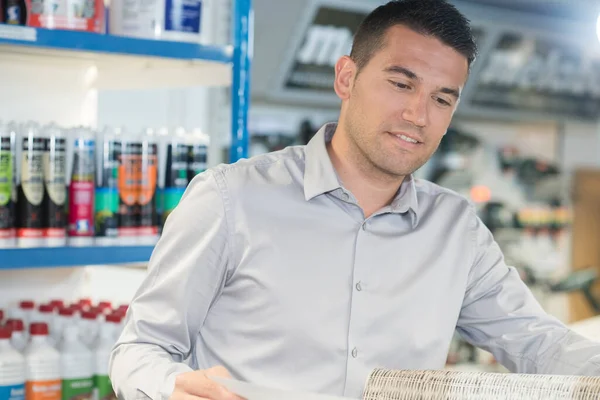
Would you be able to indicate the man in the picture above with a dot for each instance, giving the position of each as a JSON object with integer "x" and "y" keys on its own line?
{"x": 307, "y": 268}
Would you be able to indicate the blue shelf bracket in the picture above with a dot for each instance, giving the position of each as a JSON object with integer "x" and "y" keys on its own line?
{"x": 243, "y": 39}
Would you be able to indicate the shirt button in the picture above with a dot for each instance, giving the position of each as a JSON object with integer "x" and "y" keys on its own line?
{"x": 354, "y": 352}
{"x": 358, "y": 287}
{"x": 345, "y": 196}
{"x": 364, "y": 226}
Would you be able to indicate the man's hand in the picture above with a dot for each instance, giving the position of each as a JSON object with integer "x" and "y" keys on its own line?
{"x": 197, "y": 386}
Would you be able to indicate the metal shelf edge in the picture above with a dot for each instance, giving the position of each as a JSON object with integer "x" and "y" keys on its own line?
{"x": 52, "y": 257}
{"x": 110, "y": 44}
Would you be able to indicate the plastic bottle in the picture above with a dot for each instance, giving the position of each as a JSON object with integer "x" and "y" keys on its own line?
{"x": 61, "y": 321}
{"x": 7, "y": 187}
{"x": 105, "y": 307}
{"x": 57, "y": 304}
{"x": 106, "y": 340}
{"x": 19, "y": 336}
{"x": 85, "y": 302}
{"x": 77, "y": 366}
{"x": 46, "y": 314}
{"x": 88, "y": 328}
{"x": 42, "y": 366}
{"x": 12, "y": 369}
{"x": 27, "y": 308}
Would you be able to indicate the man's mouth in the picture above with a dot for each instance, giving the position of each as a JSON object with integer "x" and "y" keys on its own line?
{"x": 406, "y": 138}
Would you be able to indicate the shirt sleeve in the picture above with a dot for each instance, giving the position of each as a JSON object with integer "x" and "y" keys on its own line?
{"x": 500, "y": 314}
{"x": 186, "y": 272}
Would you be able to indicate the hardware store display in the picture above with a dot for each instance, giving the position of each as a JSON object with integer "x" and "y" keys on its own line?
{"x": 107, "y": 187}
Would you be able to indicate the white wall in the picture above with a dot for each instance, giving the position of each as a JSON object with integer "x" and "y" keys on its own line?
{"x": 116, "y": 284}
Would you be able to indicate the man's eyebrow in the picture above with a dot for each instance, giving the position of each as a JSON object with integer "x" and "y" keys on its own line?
{"x": 451, "y": 91}
{"x": 397, "y": 69}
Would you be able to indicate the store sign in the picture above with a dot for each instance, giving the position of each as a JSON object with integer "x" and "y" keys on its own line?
{"x": 326, "y": 39}
{"x": 528, "y": 74}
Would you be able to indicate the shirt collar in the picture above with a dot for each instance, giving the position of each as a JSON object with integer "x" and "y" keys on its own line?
{"x": 406, "y": 199}
{"x": 320, "y": 176}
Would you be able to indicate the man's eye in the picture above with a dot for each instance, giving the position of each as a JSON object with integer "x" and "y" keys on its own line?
{"x": 400, "y": 85}
{"x": 442, "y": 102}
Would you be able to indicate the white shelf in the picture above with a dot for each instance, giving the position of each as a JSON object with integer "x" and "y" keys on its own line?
{"x": 116, "y": 62}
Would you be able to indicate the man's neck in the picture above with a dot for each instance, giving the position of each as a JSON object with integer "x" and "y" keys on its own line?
{"x": 372, "y": 188}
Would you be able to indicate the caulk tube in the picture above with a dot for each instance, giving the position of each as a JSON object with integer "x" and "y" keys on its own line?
{"x": 55, "y": 165}
{"x": 174, "y": 168}
{"x": 106, "y": 205}
{"x": 7, "y": 187}
{"x": 163, "y": 138}
{"x": 81, "y": 167}
{"x": 31, "y": 192}
{"x": 198, "y": 143}
{"x": 128, "y": 185}
{"x": 148, "y": 230}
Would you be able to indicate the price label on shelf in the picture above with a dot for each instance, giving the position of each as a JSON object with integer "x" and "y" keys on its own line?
{"x": 18, "y": 33}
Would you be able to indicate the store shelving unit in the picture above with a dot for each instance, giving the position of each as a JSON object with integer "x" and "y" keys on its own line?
{"x": 49, "y": 257}
{"x": 130, "y": 63}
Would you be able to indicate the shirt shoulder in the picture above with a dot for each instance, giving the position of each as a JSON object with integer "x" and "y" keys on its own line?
{"x": 263, "y": 173}
{"x": 438, "y": 200}
{"x": 290, "y": 157}
{"x": 427, "y": 189}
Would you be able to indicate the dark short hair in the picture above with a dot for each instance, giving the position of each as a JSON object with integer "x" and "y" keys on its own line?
{"x": 436, "y": 18}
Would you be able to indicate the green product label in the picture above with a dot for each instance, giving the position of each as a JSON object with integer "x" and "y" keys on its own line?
{"x": 172, "y": 196}
{"x": 103, "y": 388}
{"x": 107, "y": 200}
{"x": 6, "y": 177}
{"x": 77, "y": 389}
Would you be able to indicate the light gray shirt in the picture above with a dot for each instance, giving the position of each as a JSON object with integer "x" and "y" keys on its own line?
{"x": 269, "y": 268}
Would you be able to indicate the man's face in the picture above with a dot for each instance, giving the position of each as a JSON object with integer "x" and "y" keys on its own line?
{"x": 407, "y": 92}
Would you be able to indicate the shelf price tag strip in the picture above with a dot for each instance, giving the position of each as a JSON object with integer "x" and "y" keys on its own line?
{"x": 18, "y": 33}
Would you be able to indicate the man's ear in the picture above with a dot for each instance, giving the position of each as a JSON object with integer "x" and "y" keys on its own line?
{"x": 345, "y": 72}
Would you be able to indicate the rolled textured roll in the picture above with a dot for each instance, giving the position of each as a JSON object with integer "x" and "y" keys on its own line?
{"x": 385, "y": 384}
